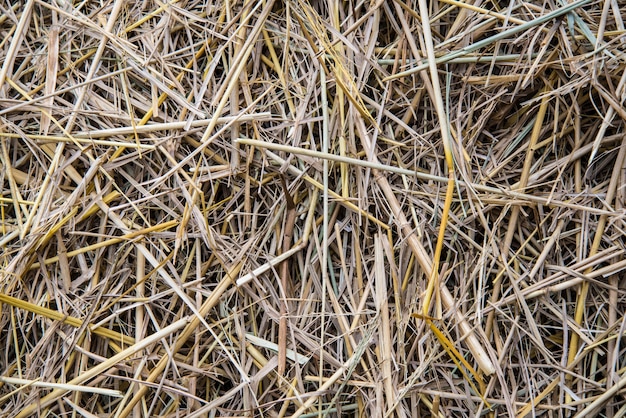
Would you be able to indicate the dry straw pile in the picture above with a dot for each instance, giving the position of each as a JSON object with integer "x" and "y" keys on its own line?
{"x": 312, "y": 208}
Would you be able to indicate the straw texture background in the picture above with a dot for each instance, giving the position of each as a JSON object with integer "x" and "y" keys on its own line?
{"x": 393, "y": 208}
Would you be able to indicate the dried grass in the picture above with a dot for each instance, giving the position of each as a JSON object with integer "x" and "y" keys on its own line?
{"x": 265, "y": 208}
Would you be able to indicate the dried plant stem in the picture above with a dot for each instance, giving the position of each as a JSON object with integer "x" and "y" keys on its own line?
{"x": 290, "y": 219}
{"x": 96, "y": 370}
{"x": 513, "y": 192}
{"x": 595, "y": 246}
{"x": 193, "y": 324}
{"x": 512, "y": 225}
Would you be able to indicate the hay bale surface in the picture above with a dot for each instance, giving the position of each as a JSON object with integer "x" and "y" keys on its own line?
{"x": 309, "y": 208}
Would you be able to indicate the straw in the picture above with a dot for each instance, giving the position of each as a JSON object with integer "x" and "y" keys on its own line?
{"x": 312, "y": 208}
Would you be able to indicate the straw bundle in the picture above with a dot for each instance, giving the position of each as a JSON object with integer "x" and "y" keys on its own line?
{"x": 312, "y": 208}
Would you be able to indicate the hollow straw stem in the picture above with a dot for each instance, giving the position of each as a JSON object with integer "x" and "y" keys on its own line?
{"x": 492, "y": 39}
{"x": 525, "y": 175}
{"x": 186, "y": 333}
{"x": 375, "y": 164}
{"x": 597, "y": 240}
{"x": 102, "y": 367}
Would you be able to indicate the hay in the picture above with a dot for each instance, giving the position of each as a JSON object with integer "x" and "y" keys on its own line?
{"x": 307, "y": 209}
